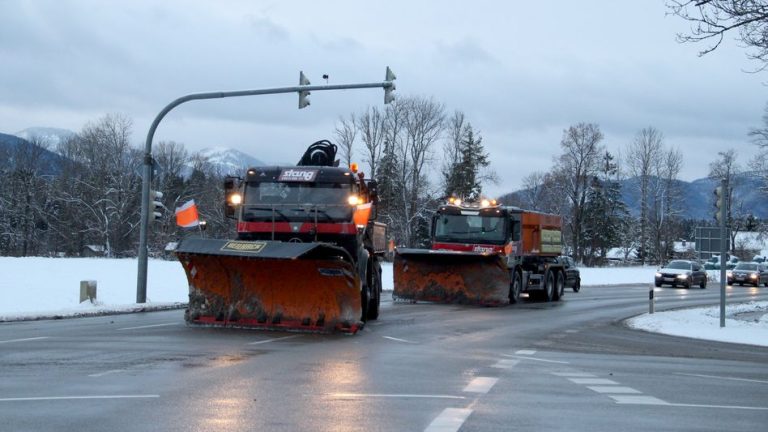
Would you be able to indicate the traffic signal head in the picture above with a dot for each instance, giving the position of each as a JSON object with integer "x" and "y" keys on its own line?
{"x": 155, "y": 198}
{"x": 719, "y": 202}
{"x": 303, "y": 95}
{"x": 389, "y": 90}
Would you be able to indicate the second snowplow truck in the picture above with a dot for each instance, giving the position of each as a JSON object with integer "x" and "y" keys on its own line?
{"x": 483, "y": 253}
{"x": 306, "y": 255}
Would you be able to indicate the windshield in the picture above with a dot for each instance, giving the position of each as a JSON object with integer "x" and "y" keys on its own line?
{"x": 296, "y": 202}
{"x": 745, "y": 266}
{"x": 684, "y": 265}
{"x": 470, "y": 229}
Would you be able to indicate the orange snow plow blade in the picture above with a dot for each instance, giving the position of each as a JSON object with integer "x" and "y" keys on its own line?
{"x": 450, "y": 277}
{"x": 271, "y": 285}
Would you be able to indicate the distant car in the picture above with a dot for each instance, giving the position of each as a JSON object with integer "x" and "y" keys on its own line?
{"x": 572, "y": 274}
{"x": 682, "y": 272}
{"x": 748, "y": 273}
{"x": 731, "y": 263}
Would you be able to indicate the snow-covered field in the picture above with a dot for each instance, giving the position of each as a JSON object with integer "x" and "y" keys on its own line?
{"x": 48, "y": 287}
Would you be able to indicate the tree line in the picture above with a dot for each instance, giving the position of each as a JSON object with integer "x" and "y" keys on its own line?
{"x": 418, "y": 152}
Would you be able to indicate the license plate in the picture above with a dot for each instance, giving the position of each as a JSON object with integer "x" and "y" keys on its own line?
{"x": 669, "y": 279}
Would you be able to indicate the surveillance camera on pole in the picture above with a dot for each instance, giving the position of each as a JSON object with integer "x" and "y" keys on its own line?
{"x": 303, "y": 94}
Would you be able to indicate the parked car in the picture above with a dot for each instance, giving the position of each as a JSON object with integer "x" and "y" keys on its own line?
{"x": 682, "y": 272}
{"x": 572, "y": 274}
{"x": 748, "y": 273}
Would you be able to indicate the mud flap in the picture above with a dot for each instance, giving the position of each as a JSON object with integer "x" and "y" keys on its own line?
{"x": 451, "y": 277}
{"x": 271, "y": 285}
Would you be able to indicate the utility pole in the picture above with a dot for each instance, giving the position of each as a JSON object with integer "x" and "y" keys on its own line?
{"x": 302, "y": 89}
{"x": 721, "y": 203}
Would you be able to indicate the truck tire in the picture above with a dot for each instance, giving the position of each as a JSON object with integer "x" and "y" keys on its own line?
{"x": 559, "y": 290}
{"x": 515, "y": 287}
{"x": 365, "y": 301}
{"x": 375, "y": 298}
{"x": 549, "y": 286}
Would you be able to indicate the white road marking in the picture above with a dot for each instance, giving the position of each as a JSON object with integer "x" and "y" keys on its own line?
{"x": 506, "y": 364}
{"x": 149, "y": 326}
{"x": 614, "y": 390}
{"x": 398, "y": 339}
{"x": 638, "y": 400}
{"x": 55, "y": 398}
{"x": 24, "y": 340}
{"x": 725, "y": 378}
{"x": 272, "y": 340}
{"x": 573, "y": 374}
{"x": 383, "y": 395}
{"x": 481, "y": 385}
{"x": 571, "y": 331}
{"x": 536, "y": 359}
{"x": 720, "y": 406}
{"x": 592, "y": 381}
{"x": 450, "y": 420}
{"x": 109, "y": 372}
{"x": 525, "y": 352}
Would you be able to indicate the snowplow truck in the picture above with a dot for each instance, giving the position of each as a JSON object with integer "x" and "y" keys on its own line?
{"x": 307, "y": 251}
{"x": 485, "y": 254}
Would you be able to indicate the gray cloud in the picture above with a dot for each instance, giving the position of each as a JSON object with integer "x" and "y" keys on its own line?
{"x": 521, "y": 72}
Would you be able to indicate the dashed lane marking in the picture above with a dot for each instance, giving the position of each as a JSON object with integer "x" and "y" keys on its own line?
{"x": 450, "y": 420}
{"x": 273, "y": 340}
{"x": 592, "y": 381}
{"x": 109, "y": 372}
{"x": 149, "y": 326}
{"x": 536, "y": 359}
{"x": 638, "y": 400}
{"x": 506, "y": 364}
{"x": 614, "y": 390}
{"x": 573, "y": 374}
{"x": 525, "y": 352}
{"x": 725, "y": 378}
{"x": 25, "y": 339}
{"x": 398, "y": 339}
{"x": 56, "y": 398}
{"x": 394, "y": 396}
{"x": 481, "y": 385}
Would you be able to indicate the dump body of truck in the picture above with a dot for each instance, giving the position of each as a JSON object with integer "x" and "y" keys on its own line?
{"x": 306, "y": 256}
{"x": 483, "y": 254}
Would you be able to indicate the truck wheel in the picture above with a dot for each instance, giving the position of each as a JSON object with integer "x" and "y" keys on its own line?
{"x": 514, "y": 288}
{"x": 375, "y": 300}
{"x": 549, "y": 286}
{"x": 559, "y": 290}
{"x": 365, "y": 300}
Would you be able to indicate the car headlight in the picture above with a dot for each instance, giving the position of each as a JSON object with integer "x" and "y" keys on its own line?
{"x": 753, "y": 275}
{"x": 729, "y": 274}
{"x": 658, "y": 274}
{"x": 683, "y": 276}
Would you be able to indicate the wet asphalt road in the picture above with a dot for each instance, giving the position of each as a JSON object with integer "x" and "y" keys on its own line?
{"x": 569, "y": 365}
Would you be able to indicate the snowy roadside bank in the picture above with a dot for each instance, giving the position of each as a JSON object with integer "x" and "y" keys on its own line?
{"x": 42, "y": 288}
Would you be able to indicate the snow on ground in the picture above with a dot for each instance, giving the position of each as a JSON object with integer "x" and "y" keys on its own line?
{"x": 50, "y": 287}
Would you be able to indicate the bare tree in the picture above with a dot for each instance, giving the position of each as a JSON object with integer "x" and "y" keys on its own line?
{"x": 579, "y": 163}
{"x": 345, "y": 133}
{"x": 643, "y": 160}
{"x": 103, "y": 193}
{"x": 371, "y": 127}
{"x": 711, "y": 19}
{"x": 664, "y": 215}
{"x": 533, "y": 190}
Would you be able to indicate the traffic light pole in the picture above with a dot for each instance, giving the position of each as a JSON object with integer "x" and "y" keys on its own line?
{"x": 141, "y": 282}
{"x": 723, "y": 250}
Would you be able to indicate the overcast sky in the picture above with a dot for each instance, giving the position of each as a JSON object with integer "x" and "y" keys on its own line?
{"x": 521, "y": 71}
